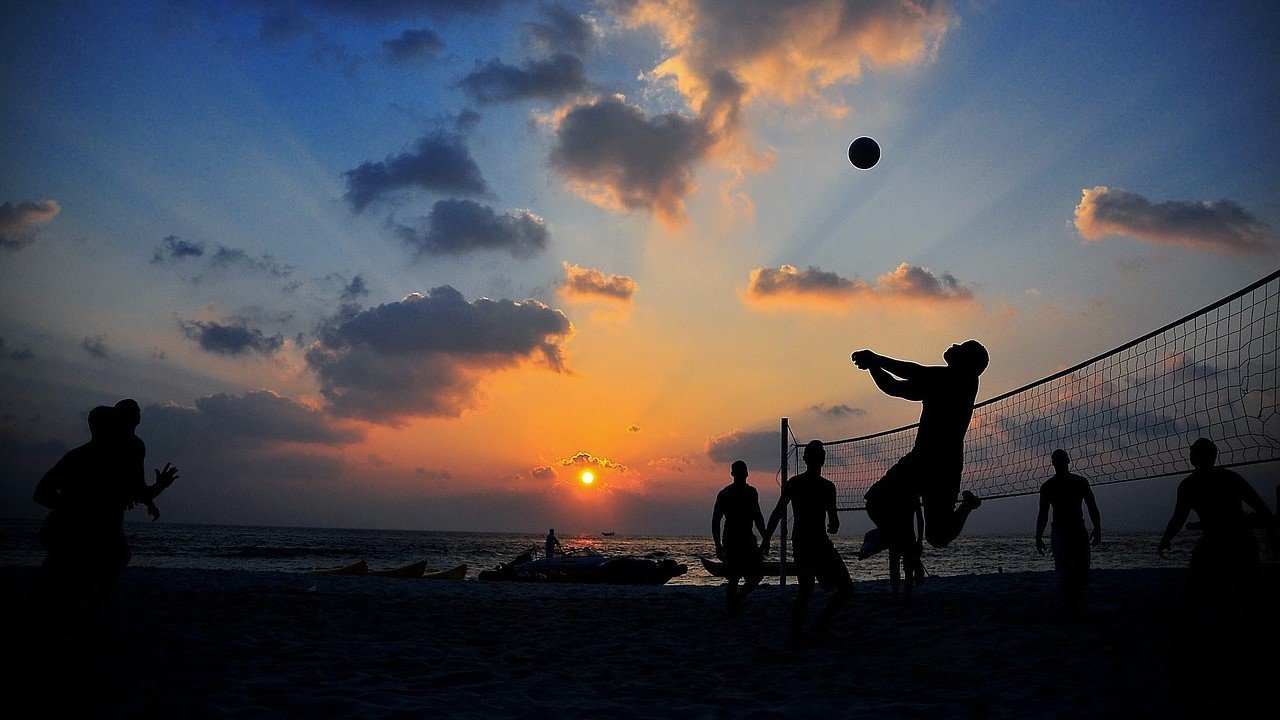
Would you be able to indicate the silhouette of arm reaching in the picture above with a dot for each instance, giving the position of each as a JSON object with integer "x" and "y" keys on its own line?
{"x": 51, "y": 486}
{"x": 759, "y": 520}
{"x": 1094, "y": 516}
{"x": 774, "y": 518}
{"x": 833, "y": 517}
{"x": 1255, "y": 501}
{"x": 1042, "y": 520}
{"x": 717, "y": 515}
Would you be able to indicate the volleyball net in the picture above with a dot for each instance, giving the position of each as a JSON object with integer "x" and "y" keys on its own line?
{"x": 1127, "y": 414}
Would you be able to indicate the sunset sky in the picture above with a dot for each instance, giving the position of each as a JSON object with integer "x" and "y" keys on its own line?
{"x": 418, "y": 264}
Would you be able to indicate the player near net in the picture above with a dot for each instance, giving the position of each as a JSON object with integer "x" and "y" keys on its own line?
{"x": 930, "y": 472}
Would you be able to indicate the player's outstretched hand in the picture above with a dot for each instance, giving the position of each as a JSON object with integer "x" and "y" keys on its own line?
{"x": 863, "y": 359}
{"x": 165, "y": 478}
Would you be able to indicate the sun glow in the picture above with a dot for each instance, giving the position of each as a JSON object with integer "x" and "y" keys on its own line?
{"x": 588, "y": 477}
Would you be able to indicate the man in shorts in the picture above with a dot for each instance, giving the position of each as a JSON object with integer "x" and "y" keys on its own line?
{"x": 813, "y": 499}
{"x": 738, "y": 505}
{"x": 931, "y": 471}
{"x": 1064, "y": 493}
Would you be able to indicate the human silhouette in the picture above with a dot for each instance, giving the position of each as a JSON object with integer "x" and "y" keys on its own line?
{"x": 1227, "y": 552}
{"x": 1064, "y": 493}
{"x": 738, "y": 505}
{"x": 134, "y": 451}
{"x": 931, "y": 470}
{"x": 813, "y": 500}
{"x": 553, "y": 543}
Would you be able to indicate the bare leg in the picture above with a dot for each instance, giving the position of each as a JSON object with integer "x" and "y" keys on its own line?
{"x": 895, "y": 579}
{"x": 731, "y": 594}
{"x": 800, "y": 606}
{"x": 943, "y": 523}
{"x": 834, "y": 603}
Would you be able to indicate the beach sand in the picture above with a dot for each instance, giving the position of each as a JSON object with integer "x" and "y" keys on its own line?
{"x": 199, "y": 643}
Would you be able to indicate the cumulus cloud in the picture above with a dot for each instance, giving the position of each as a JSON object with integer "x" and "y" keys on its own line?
{"x": 678, "y": 464}
{"x": 789, "y": 51}
{"x": 633, "y": 428}
{"x": 383, "y": 11}
{"x": 457, "y": 227}
{"x": 758, "y": 449}
{"x": 234, "y": 338}
{"x": 412, "y": 46}
{"x": 258, "y": 417}
{"x": 18, "y": 222}
{"x": 354, "y": 290}
{"x": 427, "y": 354}
{"x": 559, "y": 76}
{"x": 619, "y": 157}
{"x": 175, "y": 248}
{"x": 225, "y": 257}
{"x": 440, "y": 162}
{"x": 587, "y": 283}
{"x": 814, "y": 285}
{"x": 1220, "y": 226}
{"x": 96, "y": 347}
{"x": 561, "y": 31}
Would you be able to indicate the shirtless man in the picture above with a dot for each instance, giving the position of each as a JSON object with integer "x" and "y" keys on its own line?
{"x": 931, "y": 471}
{"x": 813, "y": 499}
{"x": 738, "y": 505}
{"x": 1064, "y": 492}
{"x": 1227, "y": 549}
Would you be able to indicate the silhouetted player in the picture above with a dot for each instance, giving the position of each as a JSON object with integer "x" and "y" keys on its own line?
{"x": 553, "y": 543}
{"x": 813, "y": 499}
{"x": 1064, "y": 493}
{"x": 738, "y": 504}
{"x": 1227, "y": 549}
{"x": 931, "y": 471}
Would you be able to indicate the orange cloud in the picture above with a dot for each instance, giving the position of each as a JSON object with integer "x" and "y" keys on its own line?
{"x": 587, "y": 284}
{"x": 814, "y": 286}
{"x": 1220, "y": 226}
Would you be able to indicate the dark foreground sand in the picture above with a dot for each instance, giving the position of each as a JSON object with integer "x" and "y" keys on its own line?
{"x": 192, "y": 643}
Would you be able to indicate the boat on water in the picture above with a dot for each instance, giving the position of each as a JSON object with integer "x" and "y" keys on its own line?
{"x": 586, "y": 566}
{"x": 715, "y": 568}
{"x": 412, "y": 570}
{"x": 607, "y": 533}
{"x": 457, "y": 572}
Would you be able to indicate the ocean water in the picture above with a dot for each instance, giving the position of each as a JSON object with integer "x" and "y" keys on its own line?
{"x": 288, "y": 549}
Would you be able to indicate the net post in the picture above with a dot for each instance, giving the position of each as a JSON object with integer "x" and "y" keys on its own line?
{"x": 782, "y": 534}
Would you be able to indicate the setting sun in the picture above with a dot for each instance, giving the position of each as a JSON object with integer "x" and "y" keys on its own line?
{"x": 588, "y": 477}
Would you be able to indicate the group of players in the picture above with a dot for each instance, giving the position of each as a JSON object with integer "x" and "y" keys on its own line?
{"x": 915, "y": 502}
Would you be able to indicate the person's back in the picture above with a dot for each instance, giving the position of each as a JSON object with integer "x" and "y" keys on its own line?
{"x": 811, "y": 495}
{"x": 1216, "y": 495}
{"x": 947, "y": 397}
{"x": 1066, "y": 494}
{"x": 740, "y": 505}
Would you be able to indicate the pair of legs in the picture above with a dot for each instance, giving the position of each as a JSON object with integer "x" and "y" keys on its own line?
{"x": 1071, "y": 560}
{"x": 819, "y": 565}
{"x": 742, "y": 562}
{"x": 734, "y": 596}
{"x": 1222, "y": 565}
{"x": 891, "y": 499}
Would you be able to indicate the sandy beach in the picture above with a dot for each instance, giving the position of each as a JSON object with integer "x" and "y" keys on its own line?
{"x": 199, "y": 643}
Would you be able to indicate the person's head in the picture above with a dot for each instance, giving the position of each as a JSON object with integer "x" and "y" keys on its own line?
{"x": 552, "y": 531}
{"x": 129, "y": 412}
{"x": 815, "y": 454}
{"x": 1060, "y": 459}
{"x": 103, "y": 422}
{"x": 1203, "y": 453}
{"x": 969, "y": 355}
{"x": 738, "y": 470}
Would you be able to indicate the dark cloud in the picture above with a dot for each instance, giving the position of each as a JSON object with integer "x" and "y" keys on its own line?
{"x": 758, "y": 449}
{"x": 619, "y": 157}
{"x": 285, "y": 24}
{"x": 175, "y": 248}
{"x": 258, "y": 417}
{"x": 17, "y": 222}
{"x": 234, "y": 338}
{"x": 23, "y": 354}
{"x": 456, "y": 227}
{"x": 587, "y": 282}
{"x": 96, "y": 346}
{"x": 427, "y": 354}
{"x": 466, "y": 120}
{"x": 225, "y": 257}
{"x": 562, "y": 31}
{"x": 413, "y": 46}
{"x": 354, "y": 290}
{"x": 905, "y": 283}
{"x": 838, "y": 411}
{"x": 633, "y": 429}
{"x": 440, "y": 162}
{"x": 1221, "y": 226}
{"x": 559, "y": 76}
{"x": 383, "y": 11}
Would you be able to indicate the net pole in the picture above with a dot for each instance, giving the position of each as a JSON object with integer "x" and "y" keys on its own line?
{"x": 782, "y": 535}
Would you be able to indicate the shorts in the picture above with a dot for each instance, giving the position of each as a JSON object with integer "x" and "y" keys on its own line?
{"x": 821, "y": 562}
{"x": 1071, "y": 556}
{"x": 742, "y": 559}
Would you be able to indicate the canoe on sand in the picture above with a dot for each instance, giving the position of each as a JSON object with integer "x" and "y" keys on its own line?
{"x": 412, "y": 570}
{"x": 454, "y": 573}
{"x": 715, "y": 568}
{"x": 355, "y": 568}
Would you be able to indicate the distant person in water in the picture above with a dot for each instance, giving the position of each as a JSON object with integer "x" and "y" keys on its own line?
{"x": 813, "y": 500}
{"x": 931, "y": 471}
{"x": 553, "y": 543}
{"x": 1227, "y": 552}
{"x": 738, "y": 505}
{"x": 1064, "y": 493}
